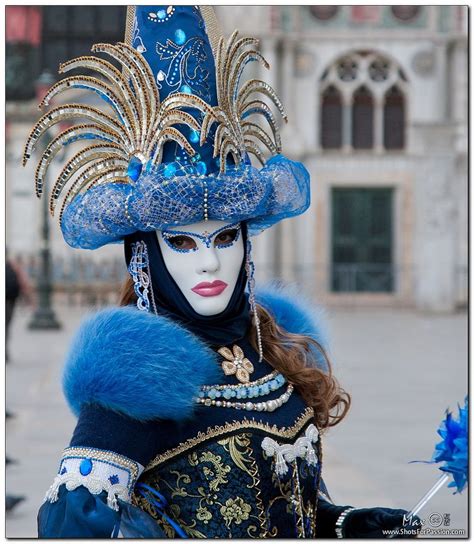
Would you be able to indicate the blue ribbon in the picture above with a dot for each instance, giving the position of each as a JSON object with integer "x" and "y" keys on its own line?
{"x": 160, "y": 503}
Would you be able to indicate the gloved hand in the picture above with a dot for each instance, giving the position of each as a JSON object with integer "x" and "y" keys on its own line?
{"x": 379, "y": 523}
{"x": 364, "y": 522}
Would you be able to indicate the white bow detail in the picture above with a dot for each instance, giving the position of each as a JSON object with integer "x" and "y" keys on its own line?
{"x": 283, "y": 453}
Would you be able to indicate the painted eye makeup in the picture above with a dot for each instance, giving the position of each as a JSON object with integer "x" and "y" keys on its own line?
{"x": 180, "y": 243}
{"x": 226, "y": 238}
{"x": 183, "y": 242}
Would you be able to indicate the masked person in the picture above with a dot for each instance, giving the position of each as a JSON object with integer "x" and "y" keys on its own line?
{"x": 200, "y": 403}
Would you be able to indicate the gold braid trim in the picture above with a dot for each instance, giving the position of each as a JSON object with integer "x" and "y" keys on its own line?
{"x": 298, "y": 506}
{"x": 253, "y": 471}
{"x": 213, "y": 27}
{"x": 212, "y": 432}
{"x": 129, "y": 24}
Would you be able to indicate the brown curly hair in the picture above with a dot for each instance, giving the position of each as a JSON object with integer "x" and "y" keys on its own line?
{"x": 291, "y": 354}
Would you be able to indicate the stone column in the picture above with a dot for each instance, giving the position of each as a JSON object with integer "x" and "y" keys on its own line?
{"x": 291, "y": 148}
{"x": 346, "y": 122}
{"x": 378, "y": 123}
{"x": 435, "y": 229}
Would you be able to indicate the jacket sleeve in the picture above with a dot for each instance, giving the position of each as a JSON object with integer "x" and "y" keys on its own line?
{"x": 90, "y": 495}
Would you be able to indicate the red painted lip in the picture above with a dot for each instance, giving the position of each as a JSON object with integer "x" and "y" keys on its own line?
{"x": 206, "y": 289}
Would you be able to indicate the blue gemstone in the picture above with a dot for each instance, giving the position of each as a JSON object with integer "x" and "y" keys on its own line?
{"x": 194, "y": 137}
{"x": 134, "y": 169}
{"x": 180, "y": 36}
{"x": 170, "y": 170}
{"x": 201, "y": 167}
{"x": 114, "y": 479}
{"x": 161, "y": 14}
{"x": 64, "y": 470}
{"x": 186, "y": 89}
{"x": 212, "y": 394}
{"x": 85, "y": 467}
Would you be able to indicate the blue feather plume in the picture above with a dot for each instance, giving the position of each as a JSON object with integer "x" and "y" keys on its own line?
{"x": 453, "y": 448}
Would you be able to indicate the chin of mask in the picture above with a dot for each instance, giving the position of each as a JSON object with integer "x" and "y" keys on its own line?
{"x": 204, "y": 259}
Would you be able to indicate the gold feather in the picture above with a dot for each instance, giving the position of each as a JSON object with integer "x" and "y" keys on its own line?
{"x": 234, "y": 135}
{"x": 138, "y": 126}
{"x": 78, "y": 161}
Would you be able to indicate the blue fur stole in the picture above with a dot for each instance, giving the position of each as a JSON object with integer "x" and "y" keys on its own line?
{"x": 148, "y": 367}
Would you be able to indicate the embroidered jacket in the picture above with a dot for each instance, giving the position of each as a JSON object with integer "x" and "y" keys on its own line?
{"x": 155, "y": 463}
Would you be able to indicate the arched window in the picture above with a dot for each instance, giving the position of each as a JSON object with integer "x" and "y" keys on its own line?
{"x": 394, "y": 119}
{"x": 363, "y": 103}
{"x": 362, "y": 119}
{"x": 331, "y": 119}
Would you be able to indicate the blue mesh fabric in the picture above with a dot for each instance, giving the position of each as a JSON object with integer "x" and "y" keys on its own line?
{"x": 262, "y": 197}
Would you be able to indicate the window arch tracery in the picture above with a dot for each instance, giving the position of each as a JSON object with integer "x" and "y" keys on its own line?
{"x": 371, "y": 115}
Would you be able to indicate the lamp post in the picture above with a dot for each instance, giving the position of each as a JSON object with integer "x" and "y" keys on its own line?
{"x": 44, "y": 316}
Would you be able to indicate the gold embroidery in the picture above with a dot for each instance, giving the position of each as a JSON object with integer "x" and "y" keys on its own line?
{"x": 213, "y": 432}
{"x": 235, "y": 510}
{"x": 232, "y": 444}
{"x": 297, "y": 501}
{"x": 218, "y": 476}
{"x": 258, "y": 499}
{"x": 173, "y": 510}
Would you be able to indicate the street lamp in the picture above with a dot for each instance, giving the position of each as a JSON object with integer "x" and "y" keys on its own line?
{"x": 44, "y": 316}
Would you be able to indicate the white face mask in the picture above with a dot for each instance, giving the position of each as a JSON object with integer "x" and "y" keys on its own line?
{"x": 204, "y": 259}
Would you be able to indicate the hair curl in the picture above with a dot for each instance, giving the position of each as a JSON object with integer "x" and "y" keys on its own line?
{"x": 291, "y": 355}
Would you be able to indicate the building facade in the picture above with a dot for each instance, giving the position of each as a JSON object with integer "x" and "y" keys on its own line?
{"x": 377, "y": 103}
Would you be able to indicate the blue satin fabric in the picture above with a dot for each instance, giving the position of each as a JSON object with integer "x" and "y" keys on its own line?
{"x": 79, "y": 514}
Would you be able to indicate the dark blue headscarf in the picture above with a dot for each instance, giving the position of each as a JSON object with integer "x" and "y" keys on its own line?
{"x": 218, "y": 330}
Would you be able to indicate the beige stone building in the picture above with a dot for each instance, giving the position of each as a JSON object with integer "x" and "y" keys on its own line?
{"x": 377, "y": 100}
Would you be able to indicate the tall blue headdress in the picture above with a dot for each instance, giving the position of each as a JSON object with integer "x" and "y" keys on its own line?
{"x": 172, "y": 144}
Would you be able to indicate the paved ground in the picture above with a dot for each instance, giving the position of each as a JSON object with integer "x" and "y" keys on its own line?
{"x": 403, "y": 369}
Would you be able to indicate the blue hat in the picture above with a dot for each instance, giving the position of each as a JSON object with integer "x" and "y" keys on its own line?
{"x": 172, "y": 145}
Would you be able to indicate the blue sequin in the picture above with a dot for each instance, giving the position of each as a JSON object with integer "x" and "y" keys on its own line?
{"x": 135, "y": 167}
{"x": 194, "y": 137}
{"x": 186, "y": 89}
{"x": 161, "y": 14}
{"x": 180, "y": 36}
{"x": 85, "y": 467}
{"x": 170, "y": 170}
{"x": 201, "y": 167}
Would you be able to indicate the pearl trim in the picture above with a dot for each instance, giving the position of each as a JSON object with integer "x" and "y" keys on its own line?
{"x": 266, "y": 406}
